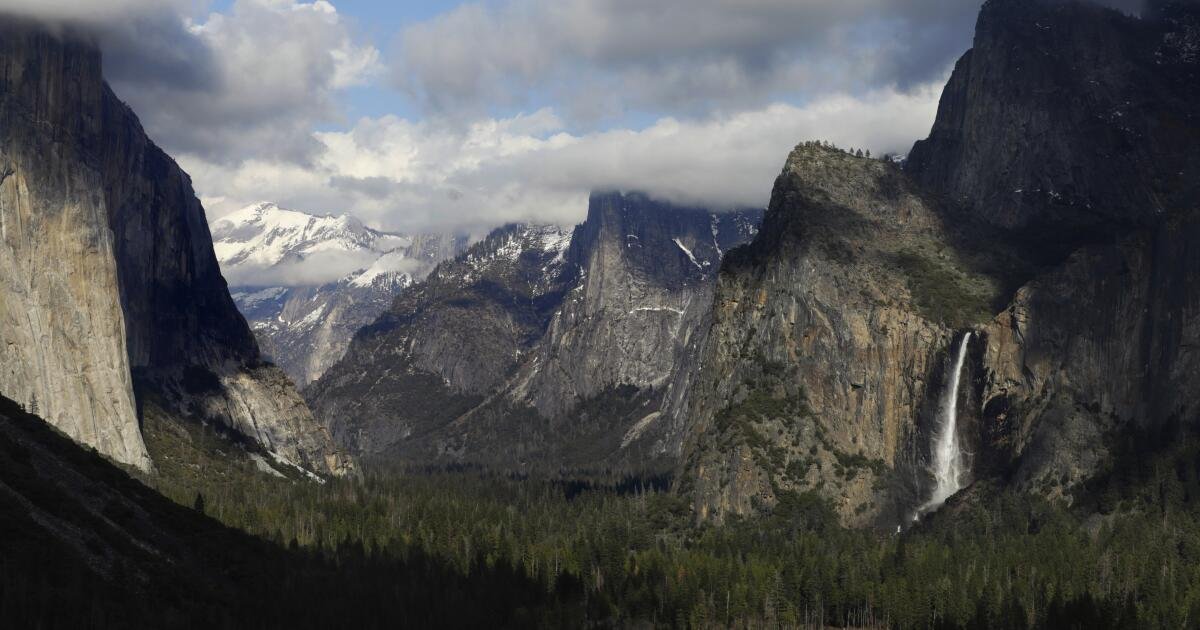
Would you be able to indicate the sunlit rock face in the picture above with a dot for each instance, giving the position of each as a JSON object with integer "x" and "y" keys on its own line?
{"x": 541, "y": 346}
{"x": 1052, "y": 213}
{"x": 62, "y": 325}
{"x": 110, "y": 284}
{"x": 824, "y": 360}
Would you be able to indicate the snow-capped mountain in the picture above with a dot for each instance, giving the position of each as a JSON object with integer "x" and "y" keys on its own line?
{"x": 264, "y": 244}
{"x": 307, "y": 283}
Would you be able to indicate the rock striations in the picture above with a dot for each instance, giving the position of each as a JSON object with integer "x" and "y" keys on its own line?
{"x": 63, "y": 345}
{"x": 110, "y": 284}
{"x": 1053, "y": 212}
{"x": 540, "y": 347}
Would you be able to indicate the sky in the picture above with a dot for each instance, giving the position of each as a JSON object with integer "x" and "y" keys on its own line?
{"x": 461, "y": 116}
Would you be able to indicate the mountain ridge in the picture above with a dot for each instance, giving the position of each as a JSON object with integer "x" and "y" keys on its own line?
{"x": 528, "y": 329}
{"x": 304, "y": 322}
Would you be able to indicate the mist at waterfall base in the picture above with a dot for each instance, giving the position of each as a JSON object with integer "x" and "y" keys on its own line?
{"x": 948, "y": 465}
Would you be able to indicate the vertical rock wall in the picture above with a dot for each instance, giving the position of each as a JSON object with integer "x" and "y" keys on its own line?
{"x": 62, "y": 326}
{"x": 111, "y": 280}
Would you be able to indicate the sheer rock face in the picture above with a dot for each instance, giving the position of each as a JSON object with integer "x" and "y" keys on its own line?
{"x": 1100, "y": 112}
{"x": 1094, "y": 348}
{"x": 643, "y": 282}
{"x": 62, "y": 327}
{"x": 1060, "y": 188}
{"x": 110, "y": 276}
{"x": 539, "y": 347}
{"x": 820, "y": 354}
{"x": 1067, "y": 121}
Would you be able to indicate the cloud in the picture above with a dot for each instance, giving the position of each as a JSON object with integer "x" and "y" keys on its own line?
{"x": 316, "y": 268}
{"x": 144, "y": 40}
{"x": 276, "y": 66}
{"x": 692, "y": 56}
{"x": 431, "y": 175}
{"x": 252, "y": 82}
{"x": 694, "y": 101}
{"x": 94, "y": 12}
{"x": 604, "y": 58}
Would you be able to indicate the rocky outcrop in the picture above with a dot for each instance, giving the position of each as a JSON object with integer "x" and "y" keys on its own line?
{"x": 828, "y": 344}
{"x": 1105, "y": 168}
{"x": 444, "y": 346}
{"x": 539, "y": 347}
{"x": 110, "y": 279}
{"x": 1052, "y": 212}
{"x": 305, "y": 330}
{"x": 645, "y": 280}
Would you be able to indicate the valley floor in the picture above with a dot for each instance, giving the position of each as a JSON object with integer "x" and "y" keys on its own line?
{"x": 231, "y": 545}
{"x": 613, "y": 552}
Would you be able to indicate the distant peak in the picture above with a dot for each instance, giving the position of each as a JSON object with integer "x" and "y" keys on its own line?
{"x": 269, "y": 212}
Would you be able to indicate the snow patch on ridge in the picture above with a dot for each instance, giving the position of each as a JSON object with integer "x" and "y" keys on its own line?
{"x": 689, "y": 254}
{"x": 391, "y": 263}
{"x": 253, "y": 299}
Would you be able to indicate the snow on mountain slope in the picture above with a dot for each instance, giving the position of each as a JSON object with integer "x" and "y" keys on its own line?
{"x": 396, "y": 264}
{"x": 265, "y": 244}
{"x": 307, "y": 283}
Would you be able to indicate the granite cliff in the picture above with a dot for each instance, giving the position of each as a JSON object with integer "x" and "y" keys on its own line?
{"x": 1052, "y": 213}
{"x": 110, "y": 288}
{"x": 828, "y": 341}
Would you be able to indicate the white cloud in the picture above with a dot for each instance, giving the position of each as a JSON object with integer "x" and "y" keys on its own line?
{"x": 276, "y": 66}
{"x": 315, "y": 268}
{"x": 405, "y": 175}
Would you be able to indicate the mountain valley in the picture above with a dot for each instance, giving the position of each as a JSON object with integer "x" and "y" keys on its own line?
{"x": 948, "y": 390}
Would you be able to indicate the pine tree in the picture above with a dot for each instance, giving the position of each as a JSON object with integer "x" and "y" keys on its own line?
{"x": 33, "y": 405}
{"x": 198, "y": 505}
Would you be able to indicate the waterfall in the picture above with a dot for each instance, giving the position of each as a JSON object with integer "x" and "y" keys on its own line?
{"x": 948, "y": 464}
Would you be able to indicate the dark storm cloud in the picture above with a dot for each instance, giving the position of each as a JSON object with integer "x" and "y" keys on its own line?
{"x": 144, "y": 42}
{"x": 685, "y": 56}
{"x": 156, "y": 50}
{"x": 716, "y": 53}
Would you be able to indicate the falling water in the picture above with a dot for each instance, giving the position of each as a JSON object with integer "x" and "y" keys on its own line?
{"x": 948, "y": 465}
